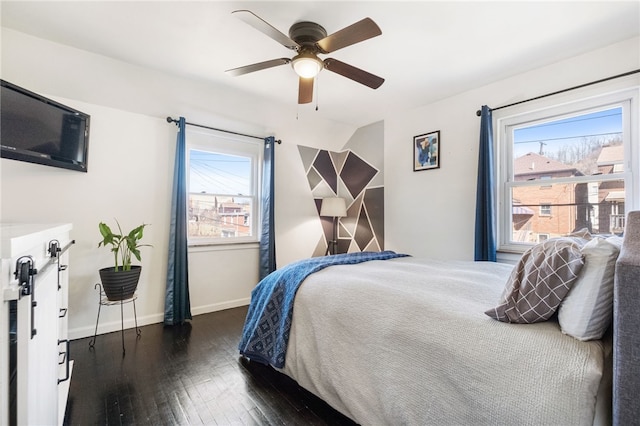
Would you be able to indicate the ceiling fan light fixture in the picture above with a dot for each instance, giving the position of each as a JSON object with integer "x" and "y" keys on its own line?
{"x": 307, "y": 65}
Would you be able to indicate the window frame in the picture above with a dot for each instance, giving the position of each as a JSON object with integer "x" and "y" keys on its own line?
{"x": 218, "y": 142}
{"x": 545, "y": 212}
{"x": 550, "y": 109}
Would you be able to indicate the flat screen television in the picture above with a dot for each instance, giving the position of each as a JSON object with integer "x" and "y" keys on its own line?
{"x": 39, "y": 130}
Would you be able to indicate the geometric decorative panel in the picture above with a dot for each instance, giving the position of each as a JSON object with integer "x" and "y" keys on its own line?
{"x": 307, "y": 155}
{"x": 374, "y": 200}
{"x": 314, "y": 178}
{"x": 338, "y": 159}
{"x": 364, "y": 233}
{"x": 347, "y": 175}
{"x": 356, "y": 174}
{"x": 325, "y": 168}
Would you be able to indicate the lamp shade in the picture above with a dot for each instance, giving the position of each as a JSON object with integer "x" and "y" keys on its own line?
{"x": 333, "y": 207}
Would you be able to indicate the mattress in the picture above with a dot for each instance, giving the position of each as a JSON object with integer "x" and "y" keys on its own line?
{"x": 406, "y": 341}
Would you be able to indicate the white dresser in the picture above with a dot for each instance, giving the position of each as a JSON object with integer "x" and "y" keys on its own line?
{"x": 35, "y": 369}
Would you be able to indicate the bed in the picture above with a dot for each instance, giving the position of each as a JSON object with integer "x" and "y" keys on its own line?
{"x": 402, "y": 340}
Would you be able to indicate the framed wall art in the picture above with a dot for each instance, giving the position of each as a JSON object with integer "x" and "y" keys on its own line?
{"x": 426, "y": 151}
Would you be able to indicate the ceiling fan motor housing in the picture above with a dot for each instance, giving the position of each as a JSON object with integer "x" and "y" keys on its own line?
{"x": 306, "y": 33}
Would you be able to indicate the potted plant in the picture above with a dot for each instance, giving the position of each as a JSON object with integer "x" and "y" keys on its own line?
{"x": 120, "y": 281}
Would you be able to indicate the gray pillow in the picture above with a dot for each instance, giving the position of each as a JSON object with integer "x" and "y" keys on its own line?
{"x": 539, "y": 281}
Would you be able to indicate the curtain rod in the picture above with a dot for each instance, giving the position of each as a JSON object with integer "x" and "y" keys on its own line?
{"x": 173, "y": 120}
{"x": 478, "y": 113}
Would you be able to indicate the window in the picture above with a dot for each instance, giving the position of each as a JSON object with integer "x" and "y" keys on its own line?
{"x": 565, "y": 168}
{"x": 223, "y": 188}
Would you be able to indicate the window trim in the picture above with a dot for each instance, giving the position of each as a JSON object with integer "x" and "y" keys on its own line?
{"x": 572, "y": 103}
{"x": 229, "y": 144}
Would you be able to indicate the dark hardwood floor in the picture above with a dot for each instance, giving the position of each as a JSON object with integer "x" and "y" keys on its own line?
{"x": 187, "y": 375}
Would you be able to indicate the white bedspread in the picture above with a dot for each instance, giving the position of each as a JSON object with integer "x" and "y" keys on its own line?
{"x": 406, "y": 342}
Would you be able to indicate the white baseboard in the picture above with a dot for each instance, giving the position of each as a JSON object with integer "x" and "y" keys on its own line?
{"x": 215, "y": 307}
{"x": 109, "y": 327}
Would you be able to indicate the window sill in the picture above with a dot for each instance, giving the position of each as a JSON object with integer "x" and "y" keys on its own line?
{"x": 204, "y": 247}
{"x": 510, "y": 257}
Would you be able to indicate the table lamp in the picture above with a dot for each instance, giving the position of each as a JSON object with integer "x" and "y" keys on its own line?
{"x": 334, "y": 207}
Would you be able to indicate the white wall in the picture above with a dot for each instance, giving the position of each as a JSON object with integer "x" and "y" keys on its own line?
{"x": 129, "y": 178}
{"x": 130, "y": 174}
{"x": 432, "y": 213}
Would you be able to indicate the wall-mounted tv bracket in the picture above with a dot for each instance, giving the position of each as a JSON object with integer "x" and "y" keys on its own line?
{"x": 25, "y": 271}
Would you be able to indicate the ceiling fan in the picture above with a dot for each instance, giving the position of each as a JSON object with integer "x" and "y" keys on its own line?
{"x": 309, "y": 39}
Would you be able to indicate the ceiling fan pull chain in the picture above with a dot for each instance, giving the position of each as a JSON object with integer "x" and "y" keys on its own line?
{"x": 316, "y": 90}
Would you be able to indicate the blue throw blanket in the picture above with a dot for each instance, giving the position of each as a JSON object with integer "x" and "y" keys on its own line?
{"x": 266, "y": 329}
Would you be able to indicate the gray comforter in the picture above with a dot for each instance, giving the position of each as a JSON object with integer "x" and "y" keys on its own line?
{"x": 407, "y": 342}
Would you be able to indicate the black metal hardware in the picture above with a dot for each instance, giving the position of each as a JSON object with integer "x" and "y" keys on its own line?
{"x": 54, "y": 248}
{"x": 54, "y": 257}
{"x": 479, "y": 113}
{"x": 61, "y": 268}
{"x": 173, "y": 120}
{"x": 103, "y": 300}
{"x": 54, "y": 253}
{"x": 65, "y": 360}
{"x": 34, "y": 304}
{"x": 25, "y": 270}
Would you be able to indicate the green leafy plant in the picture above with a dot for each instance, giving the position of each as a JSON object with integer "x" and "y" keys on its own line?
{"x": 122, "y": 245}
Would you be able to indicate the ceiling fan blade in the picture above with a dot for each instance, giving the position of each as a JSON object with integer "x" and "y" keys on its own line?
{"x": 305, "y": 90}
{"x": 264, "y": 27}
{"x": 354, "y": 33}
{"x": 355, "y": 74}
{"x": 257, "y": 67}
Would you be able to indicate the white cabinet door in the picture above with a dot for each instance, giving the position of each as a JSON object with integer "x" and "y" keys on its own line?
{"x": 38, "y": 373}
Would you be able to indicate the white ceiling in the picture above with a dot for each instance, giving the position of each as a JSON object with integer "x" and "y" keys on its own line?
{"x": 427, "y": 50}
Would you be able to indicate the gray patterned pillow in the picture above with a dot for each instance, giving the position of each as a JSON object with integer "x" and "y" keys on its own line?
{"x": 539, "y": 281}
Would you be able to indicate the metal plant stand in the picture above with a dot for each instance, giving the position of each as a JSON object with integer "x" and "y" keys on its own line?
{"x": 104, "y": 301}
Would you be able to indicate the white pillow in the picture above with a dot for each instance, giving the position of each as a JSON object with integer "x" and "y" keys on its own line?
{"x": 616, "y": 241}
{"x": 586, "y": 311}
